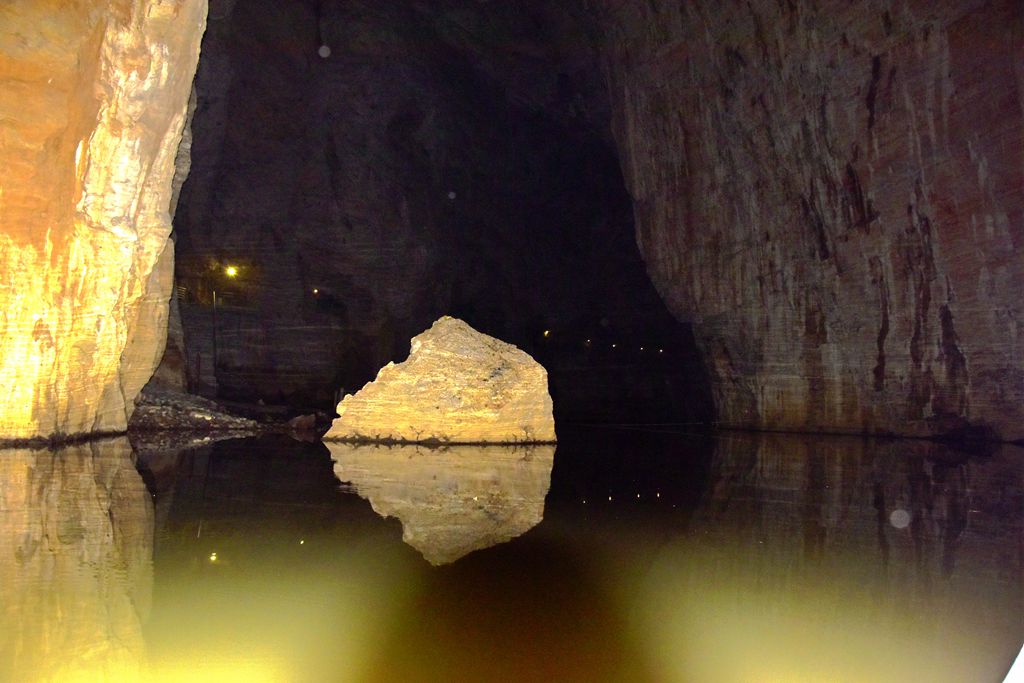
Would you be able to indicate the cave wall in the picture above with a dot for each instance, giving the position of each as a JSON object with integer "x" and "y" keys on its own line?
{"x": 834, "y": 193}
{"x": 446, "y": 158}
{"x": 92, "y": 101}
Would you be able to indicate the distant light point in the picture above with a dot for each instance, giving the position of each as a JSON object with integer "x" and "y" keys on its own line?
{"x": 324, "y": 51}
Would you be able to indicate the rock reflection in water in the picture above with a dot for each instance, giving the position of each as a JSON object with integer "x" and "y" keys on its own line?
{"x": 76, "y": 547}
{"x": 451, "y": 501}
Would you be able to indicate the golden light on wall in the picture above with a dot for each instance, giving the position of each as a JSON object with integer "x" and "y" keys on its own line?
{"x": 95, "y": 108}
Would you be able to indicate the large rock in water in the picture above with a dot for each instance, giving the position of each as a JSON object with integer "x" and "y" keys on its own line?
{"x": 92, "y": 104}
{"x": 457, "y": 386}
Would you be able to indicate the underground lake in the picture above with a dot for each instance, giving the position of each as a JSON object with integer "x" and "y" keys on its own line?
{"x": 621, "y": 554}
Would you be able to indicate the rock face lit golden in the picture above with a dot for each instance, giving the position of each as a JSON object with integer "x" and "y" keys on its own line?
{"x": 452, "y": 501}
{"x": 457, "y": 386}
{"x": 92, "y": 103}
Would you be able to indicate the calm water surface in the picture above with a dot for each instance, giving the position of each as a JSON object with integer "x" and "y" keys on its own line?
{"x": 624, "y": 555}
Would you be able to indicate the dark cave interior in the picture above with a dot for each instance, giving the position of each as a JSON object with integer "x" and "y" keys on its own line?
{"x": 444, "y": 159}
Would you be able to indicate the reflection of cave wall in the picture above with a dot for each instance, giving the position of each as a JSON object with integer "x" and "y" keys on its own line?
{"x": 832, "y": 499}
{"x": 795, "y": 541}
{"x": 76, "y": 542}
{"x": 442, "y": 160}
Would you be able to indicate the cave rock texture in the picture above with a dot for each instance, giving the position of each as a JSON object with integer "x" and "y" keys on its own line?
{"x": 834, "y": 193}
{"x": 92, "y": 103}
{"x": 446, "y": 158}
{"x": 457, "y": 386}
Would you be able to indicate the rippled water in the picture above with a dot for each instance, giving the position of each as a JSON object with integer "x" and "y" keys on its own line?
{"x": 624, "y": 555}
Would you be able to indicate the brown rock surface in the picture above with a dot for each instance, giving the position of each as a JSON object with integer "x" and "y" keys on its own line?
{"x": 92, "y": 102}
{"x": 457, "y": 386}
{"x": 451, "y": 501}
{"x": 834, "y": 193}
{"x": 76, "y": 545}
{"x": 159, "y": 409}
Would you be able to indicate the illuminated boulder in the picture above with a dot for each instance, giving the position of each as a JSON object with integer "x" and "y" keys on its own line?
{"x": 92, "y": 104}
{"x": 450, "y": 501}
{"x": 457, "y": 386}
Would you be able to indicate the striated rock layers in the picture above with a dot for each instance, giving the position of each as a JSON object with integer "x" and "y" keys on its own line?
{"x": 457, "y": 386}
{"x": 452, "y": 501}
{"x": 76, "y": 574}
{"x": 92, "y": 102}
{"x": 833, "y": 192}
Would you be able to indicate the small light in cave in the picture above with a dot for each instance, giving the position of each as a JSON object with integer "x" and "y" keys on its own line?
{"x": 316, "y": 291}
{"x": 641, "y": 348}
{"x": 614, "y": 346}
{"x": 609, "y": 498}
{"x": 661, "y": 350}
{"x": 324, "y": 51}
{"x": 657, "y": 495}
{"x": 231, "y": 271}
{"x": 638, "y": 495}
{"x": 452, "y": 195}
{"x": 547, "y": 333}
{"x": 302, "y": 541}
{"x": 213, "y": 557}
{"x": 900, "y": 518}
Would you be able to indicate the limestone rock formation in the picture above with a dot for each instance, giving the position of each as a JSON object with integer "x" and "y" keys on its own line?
{"x": 457, "y": 386}
{"x": 92, "y": 103}
{"x": 451, "y": 501}
{"x": 833, "y": 193}
{"x": 76, "y": 545}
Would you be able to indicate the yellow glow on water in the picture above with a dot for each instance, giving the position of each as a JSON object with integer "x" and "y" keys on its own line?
{"x": 189, "y": 670}
{"x": 766, "y": 588}
{"x": 713, "y": 612}
{"x": 227, "y": 670}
